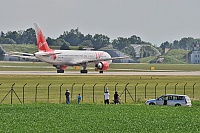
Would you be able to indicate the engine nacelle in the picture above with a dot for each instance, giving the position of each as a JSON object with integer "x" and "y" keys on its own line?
{"x": 102, "y": 65}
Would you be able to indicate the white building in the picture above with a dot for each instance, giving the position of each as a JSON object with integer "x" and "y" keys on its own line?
{"x": 194, "y": 55}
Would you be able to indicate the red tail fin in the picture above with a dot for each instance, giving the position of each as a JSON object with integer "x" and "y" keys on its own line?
{"x": 41, "y": 41}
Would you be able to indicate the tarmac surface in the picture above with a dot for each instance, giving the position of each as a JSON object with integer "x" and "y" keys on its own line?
{"x": 192, "y": 73}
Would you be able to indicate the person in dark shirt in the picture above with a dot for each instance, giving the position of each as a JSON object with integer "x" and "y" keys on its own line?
{"x": 67, "y": 94}
{"x": 116, "y": 100}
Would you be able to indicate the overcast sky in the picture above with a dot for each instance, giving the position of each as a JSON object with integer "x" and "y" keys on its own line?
{"x": 155, "y": 21}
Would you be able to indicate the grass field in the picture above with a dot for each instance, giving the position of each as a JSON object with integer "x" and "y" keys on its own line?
{"x": 98, "y": 118}
{"x": 45, "y": 115}
{"x": 84, "y": 84}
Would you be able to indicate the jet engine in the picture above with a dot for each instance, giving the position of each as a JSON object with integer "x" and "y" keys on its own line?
{"x": 102, "y": 65}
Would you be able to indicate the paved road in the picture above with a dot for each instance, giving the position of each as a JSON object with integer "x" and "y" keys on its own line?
{"x": 197, "y": 73}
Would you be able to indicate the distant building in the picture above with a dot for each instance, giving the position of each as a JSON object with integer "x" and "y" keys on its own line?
{"x": 194, "y": 55}
{"x": 165, "y": 50}
{"x": 139, "y": 53}
{"x": 117, "y": 53}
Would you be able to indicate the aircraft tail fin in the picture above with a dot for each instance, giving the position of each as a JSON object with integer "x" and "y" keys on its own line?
{"x": 41, "y": 41}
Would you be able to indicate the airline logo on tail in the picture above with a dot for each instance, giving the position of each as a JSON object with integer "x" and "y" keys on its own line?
{"x": 41, "y": 41}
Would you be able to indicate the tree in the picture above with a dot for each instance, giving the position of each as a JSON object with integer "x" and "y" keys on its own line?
{"x": 2, "y": 34}
{"x": 64, "y": 46}
{"x": 88, "y": 37}
{"x": 175, "y": 44}
{"x": 13, "y": 35}
{"x": 121, "y": 43}
{"x": 166, "y": 45}
{"x": 74, "y": 37}
{"x": 100, "y": 41}
{"x": 1, "y": 54}
{"x": 87, "y": 43}
{"x": 50, "y": 41}
{"x": 7, "y": 41}
{"x": 135, "y": 40}
{"x": 28, "y": 36}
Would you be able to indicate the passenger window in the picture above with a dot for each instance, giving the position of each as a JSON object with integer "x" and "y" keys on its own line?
{"x": 175, "y": 97}
{"x": 170, "y": 98}
{"x": 180, "y": 98}
{"x": 160, "y": 98}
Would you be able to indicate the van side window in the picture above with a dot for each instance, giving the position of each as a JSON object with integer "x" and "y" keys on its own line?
{"x": 175, "y": 97}
{"x": 180, "y": 98}
{"x": 161, "y": 98}
{"x": 170, "y": 98}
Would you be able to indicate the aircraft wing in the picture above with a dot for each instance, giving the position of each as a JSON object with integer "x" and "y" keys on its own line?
{"x": 105, "y": 59}
{"x": 79, "y": 62}
{"x": 21, "y": 55}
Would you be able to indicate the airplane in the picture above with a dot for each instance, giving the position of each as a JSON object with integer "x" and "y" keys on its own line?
{"x": 60, "y": 59}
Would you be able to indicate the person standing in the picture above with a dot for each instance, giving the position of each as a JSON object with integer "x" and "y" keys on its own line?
{"x": 116, "y": 96}
{"x": 79, "y": 98}
{"x": 67, "y": 94}
{"x": 106, "y": 96}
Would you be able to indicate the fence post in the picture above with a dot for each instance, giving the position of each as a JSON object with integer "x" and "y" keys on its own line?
{"x": 125, "y": 90}
{"x": 184, "y": 87}
{"x": 155, "y": 90}
{"x": 116, "y": 87}
{"x": 145, "y": 91}
{"x": 23, "y": 92}
{"x": 175, "y": 88}
{"x": 60, "y": 92}
{"x": 82, "y": 91}
{"x": 135, "y": 91}
{"x": 93, "y": 91}
{"x": 36, "y": 88}
{"x": 48, "y": 91}
{"x": 105, "y": 87}
{"x": 72, "y": 90}
{"x": 166, "y": 88}
{"x": 11, "y": 94}
{"x": 193, "y": 89}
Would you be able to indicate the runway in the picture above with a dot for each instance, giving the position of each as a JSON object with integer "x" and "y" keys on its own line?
{"x": 177, "y": 73}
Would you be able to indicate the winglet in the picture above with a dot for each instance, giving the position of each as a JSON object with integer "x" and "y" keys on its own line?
{"x": 41, "y": 41}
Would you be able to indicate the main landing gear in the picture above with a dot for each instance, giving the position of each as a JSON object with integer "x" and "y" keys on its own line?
{"x": 60, "y": 71}
{"x": 83, "y": 71}
{"x": 101, "y": 72}
{"x": 84, "y": 68}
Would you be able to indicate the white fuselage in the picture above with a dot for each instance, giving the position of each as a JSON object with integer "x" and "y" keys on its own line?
{"x": 72, "y": 57}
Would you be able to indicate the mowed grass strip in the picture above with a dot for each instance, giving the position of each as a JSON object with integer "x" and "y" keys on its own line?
{"x": 98, "y": 118}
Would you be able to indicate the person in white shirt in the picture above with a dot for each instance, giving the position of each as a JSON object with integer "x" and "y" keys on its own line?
{"x": 106, "y": 96}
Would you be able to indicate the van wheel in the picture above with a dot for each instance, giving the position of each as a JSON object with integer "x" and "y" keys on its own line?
{"x": 151, "y": 103}
{"x": 176, "y": 105}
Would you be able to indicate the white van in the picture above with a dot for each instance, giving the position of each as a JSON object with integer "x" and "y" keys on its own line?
{"x": 171, "y": 100}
